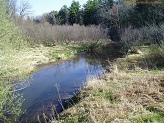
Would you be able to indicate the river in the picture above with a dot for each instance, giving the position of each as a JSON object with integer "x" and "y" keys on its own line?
{"x": 52, "y": 85}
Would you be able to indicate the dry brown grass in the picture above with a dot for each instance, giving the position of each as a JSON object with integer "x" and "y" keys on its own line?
{"x": 120, "y": 97}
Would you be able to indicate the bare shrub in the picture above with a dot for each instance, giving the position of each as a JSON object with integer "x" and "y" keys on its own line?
{"x": 154, "y": 58}
{"x": 142, "y": 36}
{"x": 52, "y": 35}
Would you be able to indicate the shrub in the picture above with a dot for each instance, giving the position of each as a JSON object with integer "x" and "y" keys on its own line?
{"x": 154, "y": 58}
{"x": 142, "y": 36}
{"x": 51, "y": 35}
{"x": 10, "y": 43}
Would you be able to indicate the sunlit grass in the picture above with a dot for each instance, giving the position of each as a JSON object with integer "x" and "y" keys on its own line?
{"x": 26, "y": 60}
{"x": 123, "y": 95}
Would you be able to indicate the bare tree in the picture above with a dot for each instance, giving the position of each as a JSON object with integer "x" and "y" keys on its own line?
{"x": 24, "y": 9}
{"x": 11, "y": 7}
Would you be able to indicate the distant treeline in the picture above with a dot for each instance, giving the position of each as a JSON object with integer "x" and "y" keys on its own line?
{"x": 115, "y": 15}
{"x": 124, "y": 22}
{"x": 107, "y": 12}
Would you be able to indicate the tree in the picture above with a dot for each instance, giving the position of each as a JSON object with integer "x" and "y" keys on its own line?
{"x": 53, "y": 18}
{"x": 11, "y": 7}
{"x": 64, "y": 14}
{"x": 106, "y": 4}
{"x": 104, "y": 11}
{"x": 74, "y": 9}
{"x": 149, "y": 14}
{"x": 90, "y": 12}
{"x": 24, "y": 9}
{"x": 10, "y": 43}
{"x": 80, "y": 17}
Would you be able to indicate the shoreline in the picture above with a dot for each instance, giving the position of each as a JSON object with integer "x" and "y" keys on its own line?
{"x": 114, "y": 96}
{"x": 122, "y": 95}
{"x": 26, "y": 61}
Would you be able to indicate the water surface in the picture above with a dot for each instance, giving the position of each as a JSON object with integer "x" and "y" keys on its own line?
{"x": 54, "y": 83}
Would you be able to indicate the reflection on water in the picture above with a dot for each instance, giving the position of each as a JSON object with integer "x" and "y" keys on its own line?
{"x": 51, "y": 82}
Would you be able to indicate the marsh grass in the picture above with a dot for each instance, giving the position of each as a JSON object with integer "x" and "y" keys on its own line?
{"x": 119, "y": 97}
{"x": 123, "y": 95}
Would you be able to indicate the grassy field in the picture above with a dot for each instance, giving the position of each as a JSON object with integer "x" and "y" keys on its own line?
{"x": 126, "y": 94}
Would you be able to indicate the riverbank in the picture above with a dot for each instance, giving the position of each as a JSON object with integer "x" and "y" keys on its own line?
{"x": 19, "y": 64}
{"x": 128, "y": 93}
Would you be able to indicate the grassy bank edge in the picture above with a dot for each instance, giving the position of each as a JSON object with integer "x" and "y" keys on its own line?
{"x": 20, "y": 64}
{"x": 121, "y": 95}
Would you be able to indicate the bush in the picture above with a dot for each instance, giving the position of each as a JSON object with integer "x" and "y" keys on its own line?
{"x": 142, "y": 36}
{"x": 10, "y": 103}
{"x": 10, "y": 43}
{"x": 51, "y": 35}
{"x": 154, "y": 58}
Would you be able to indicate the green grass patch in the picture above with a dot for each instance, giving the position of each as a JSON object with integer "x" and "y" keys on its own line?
{"x": 107, "y": 95}
{"x": 148, "y": 118}
{"x": 78, "y": 118}
{"x": 79, "y": 48}
{"x": 60, "y": 54}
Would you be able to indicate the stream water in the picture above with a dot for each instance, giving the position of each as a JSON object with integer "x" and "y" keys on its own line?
{"x": 53, "y": 84}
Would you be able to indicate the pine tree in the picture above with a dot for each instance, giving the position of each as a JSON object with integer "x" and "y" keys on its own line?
{"x": 74, "y": 9}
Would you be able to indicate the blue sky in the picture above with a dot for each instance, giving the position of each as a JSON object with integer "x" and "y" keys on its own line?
{"x": 43, "y": 6}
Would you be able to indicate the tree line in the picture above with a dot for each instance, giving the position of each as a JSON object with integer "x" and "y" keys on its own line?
{"x": 87, "y": 14}
{"x": 115, "y": 16}
{"x": 107, "y": 12}
{"x": 112, "y": 14}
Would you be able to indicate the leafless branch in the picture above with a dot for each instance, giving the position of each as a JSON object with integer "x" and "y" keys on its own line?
{"x": 24, "y": 9}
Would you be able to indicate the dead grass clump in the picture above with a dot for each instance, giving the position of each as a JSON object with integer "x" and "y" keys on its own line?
{"x": 120, "y": 97}
{"x": 148, "y": 89}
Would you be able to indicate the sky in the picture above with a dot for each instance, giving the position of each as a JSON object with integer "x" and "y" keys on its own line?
{"x": 40, "y": 7}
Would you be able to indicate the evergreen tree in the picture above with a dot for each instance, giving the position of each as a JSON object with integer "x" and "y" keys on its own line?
{"x": 64, "y": 14}
{"x": 53, "y": 18}
{"x": 91, "y": 12}
{"x": 74, "y": 9}
{"x": 148, "y": 14}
